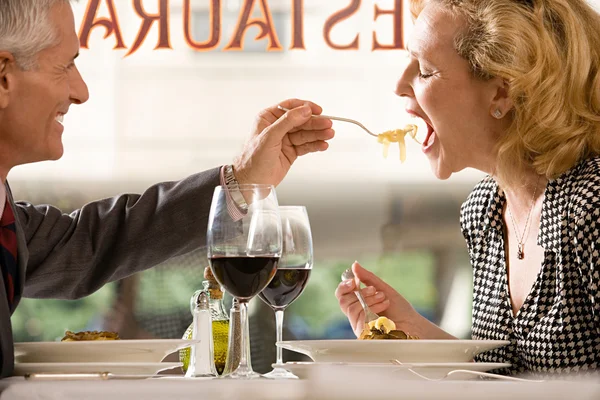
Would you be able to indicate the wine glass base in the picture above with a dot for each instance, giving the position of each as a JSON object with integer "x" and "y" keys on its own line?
{"x": 280, "y": 373}
{"x": 244, "y": 374}
{"x": 201, "y": 377}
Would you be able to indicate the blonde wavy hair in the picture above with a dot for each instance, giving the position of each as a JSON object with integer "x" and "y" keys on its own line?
{"x": 548, "y": 51}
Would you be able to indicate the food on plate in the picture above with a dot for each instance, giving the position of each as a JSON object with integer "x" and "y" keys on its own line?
{"x": 383, "y": 328}
{"x": 397, "y": 136}
{"x": 89, "y": 335}
{"x": 383, "y": 324}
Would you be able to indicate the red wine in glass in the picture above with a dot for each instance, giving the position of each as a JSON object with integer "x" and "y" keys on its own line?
{"x": 292, "y": 274}
{"x": 287, "y": 285}
{"x": 244, "y": 277}
{"x": 244, "y": 249}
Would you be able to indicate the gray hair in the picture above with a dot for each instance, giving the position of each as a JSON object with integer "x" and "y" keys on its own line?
{"x": 25, "y": 29}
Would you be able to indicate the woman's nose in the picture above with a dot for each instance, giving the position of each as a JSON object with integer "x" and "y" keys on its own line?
{"x": 403, "y": 86}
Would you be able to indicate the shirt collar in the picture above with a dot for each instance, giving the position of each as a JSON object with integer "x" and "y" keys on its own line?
{"x": 492, "y": 218}
{"x": 554, "y": 213}
{"x": 2, "y": 199}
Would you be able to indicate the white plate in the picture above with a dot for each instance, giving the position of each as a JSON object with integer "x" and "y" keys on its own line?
{"x": 83, "y": 367}
{"x": 306, "y": 370}
{"x": 383, "y": 351}
{"x": 140, "y": 351}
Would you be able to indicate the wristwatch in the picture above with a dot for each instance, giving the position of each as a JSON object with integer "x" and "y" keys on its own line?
{"x": 234, "y": 188}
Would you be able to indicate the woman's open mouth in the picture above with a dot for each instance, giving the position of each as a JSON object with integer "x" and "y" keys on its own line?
{"x": 429, "y": 139}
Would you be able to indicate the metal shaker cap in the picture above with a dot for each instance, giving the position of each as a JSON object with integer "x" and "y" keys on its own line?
{"x": 203, "y": 301}
{"x": 200, "y": 300}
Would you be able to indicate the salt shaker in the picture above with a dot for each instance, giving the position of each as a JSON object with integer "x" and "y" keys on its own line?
{"x": 202, "y": 362}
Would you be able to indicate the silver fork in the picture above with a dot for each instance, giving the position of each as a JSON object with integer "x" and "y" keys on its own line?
{"x": 465, "y": 371}
{"x": 352, "y": 121}
{"x": 369, "y": 315}
{"x": 49, "y": 376}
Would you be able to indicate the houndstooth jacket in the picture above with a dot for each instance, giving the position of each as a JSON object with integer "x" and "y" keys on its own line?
{"x": 557, "y": 330}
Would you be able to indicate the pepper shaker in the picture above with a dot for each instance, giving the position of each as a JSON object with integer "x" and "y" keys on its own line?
{"x": 234, "y": 348}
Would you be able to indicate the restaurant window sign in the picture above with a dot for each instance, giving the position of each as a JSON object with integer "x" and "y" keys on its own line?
{"x": 215, "y": 16}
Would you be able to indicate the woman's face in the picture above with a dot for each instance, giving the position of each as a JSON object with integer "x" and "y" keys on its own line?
{"x": 440, "y": 89}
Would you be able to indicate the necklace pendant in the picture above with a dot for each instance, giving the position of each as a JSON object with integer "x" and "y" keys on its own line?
{"x": 520, "y": 254}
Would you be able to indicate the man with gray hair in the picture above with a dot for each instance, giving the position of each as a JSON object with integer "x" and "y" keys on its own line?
{"x": 47, "y": 254}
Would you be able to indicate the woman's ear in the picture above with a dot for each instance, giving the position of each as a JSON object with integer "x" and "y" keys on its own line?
{"x": 501, "y": 103}
{"x": 7, "y": 65}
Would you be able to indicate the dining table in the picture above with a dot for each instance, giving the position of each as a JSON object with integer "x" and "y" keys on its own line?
{"x": 321, "y": 385}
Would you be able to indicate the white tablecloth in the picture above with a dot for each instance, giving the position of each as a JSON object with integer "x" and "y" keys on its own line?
{"x": 331, "y": 388}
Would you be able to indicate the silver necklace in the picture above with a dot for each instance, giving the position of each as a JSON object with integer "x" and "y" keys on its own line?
{"x": 521, "y": 242}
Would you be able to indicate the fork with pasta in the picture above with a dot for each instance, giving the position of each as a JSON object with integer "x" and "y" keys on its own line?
{"x": 385, "y": 138}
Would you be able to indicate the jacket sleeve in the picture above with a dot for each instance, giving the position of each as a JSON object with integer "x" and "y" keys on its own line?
{"x": 73, "y": 255}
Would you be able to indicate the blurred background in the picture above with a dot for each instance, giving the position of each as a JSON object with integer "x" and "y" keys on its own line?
{"x": 162, "y": 114}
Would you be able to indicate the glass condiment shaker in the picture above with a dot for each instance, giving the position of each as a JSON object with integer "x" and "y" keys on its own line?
{"x": 220, "y": 323}
{"x": 202, "y": 363}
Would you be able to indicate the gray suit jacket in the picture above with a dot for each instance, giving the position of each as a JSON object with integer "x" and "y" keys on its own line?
{"x": 68, "y": 256}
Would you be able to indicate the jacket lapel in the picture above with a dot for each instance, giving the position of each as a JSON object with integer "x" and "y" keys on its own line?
{"x": 22, "y": 252}
{"x": 6, "y": 337}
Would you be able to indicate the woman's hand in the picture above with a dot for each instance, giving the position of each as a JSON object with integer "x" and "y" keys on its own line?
{"x": 381, "y": 298}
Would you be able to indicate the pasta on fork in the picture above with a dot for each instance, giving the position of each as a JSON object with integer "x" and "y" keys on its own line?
{"x": 397, "y": 136}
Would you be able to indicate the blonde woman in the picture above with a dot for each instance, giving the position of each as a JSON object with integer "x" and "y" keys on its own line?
{"x": 512, "y": 88}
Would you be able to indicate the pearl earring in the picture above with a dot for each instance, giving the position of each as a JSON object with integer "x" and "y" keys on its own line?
{"x": 498, "y": 114}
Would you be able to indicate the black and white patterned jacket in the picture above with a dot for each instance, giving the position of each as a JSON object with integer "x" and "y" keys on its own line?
{"x": 557, "y": 330}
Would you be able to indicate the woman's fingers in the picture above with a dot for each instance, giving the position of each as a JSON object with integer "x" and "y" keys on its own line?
{"x": 369, "y": 278}
{"x": 344, "y": 288}
{"x": 374, "y": 296}
{"x": 375, "y": 302}
{"x": 380, "y": 307}
{"x": 370, "y": 295}
{"x": 350, "y": 305}
{"x": 356, "y": 314}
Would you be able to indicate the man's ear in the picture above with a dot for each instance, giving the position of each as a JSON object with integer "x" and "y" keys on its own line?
{"x": 7, "y": 68}
{"x": 501, "y": 103}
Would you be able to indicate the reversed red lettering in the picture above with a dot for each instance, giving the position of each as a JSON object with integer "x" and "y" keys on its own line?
{"x": 397, "y": 13}
{"x": 162, "y": 18}
{"x": 265, "y": 24}
{"x": 215, "y": 26}
{"x": 298, "y": 25}
{"x": 336, "y": 18}
{"x": 90, "y": 22}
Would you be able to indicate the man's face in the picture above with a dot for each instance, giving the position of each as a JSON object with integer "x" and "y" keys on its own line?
{"x": 37, "y": 100}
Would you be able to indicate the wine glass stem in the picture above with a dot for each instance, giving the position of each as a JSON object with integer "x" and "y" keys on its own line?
{"x": 245, "y": 356}
{"x": 279, "y": 334}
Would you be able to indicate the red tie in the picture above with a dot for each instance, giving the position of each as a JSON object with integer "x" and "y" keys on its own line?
{"x": 8, "y": 251}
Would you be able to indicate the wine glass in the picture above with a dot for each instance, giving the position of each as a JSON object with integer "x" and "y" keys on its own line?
{"x": 292, "y": 274}
{"x": 244, "y": 247}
